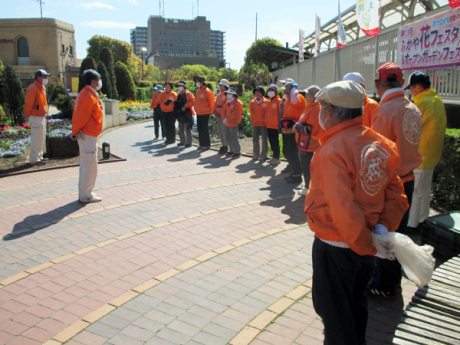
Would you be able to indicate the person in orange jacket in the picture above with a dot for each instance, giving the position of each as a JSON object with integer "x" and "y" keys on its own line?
{"x": 183, "y": 108}
{"x": 86, "y": 126}
{"x": 399, "y": 120}
{"x": 272, "y": 119}
{"x": 204, "y": 104}
{"x": 293, "y": 107}
{"x": 35, "y": 109}
{"x": 232, "y": 116}
{"x": 219, "y": 104}
{"x": 167, "y": 98}
{"x": 307, "y": 129}
{"x": 354, "y": 191}
{"x": 369, "y": 104}
{"x": 157, "y": 113}
{"x": 257, "y": 109}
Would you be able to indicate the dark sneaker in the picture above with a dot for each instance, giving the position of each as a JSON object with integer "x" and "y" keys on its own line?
{"x": 286, "y": 170}
{"x": 294, "y": 179}
{"x": 188, "y": 145}
{"x": 223, "y": 150}
{"x": 236, "y": 155}
{"x": 380, "y": 294}
{"x": 229, "y": 154}
{"x": 205, "y": 148}
{"x": 180, "y": 144}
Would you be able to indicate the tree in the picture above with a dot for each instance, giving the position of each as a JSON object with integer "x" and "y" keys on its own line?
{"x": 258, "y": 48}
{"x": 121, "y": 50}
{"x": 152, "y": 73}
{"x": 107, "y": 88}
{"x": 125, "y": 83}
{"x": 134, "y": 66}
{"x": 13, "y": 95}
{"x": 254, "y": 74}
{"x": 1, "y": 82}
{"x": 87, "y": 63}
{"x": 106, "y": 57}
{"x": 229, "y": 74}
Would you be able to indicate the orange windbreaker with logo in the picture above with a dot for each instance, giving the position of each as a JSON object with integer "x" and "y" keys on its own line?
{"x": 164, "y": 96}
{"x": 293, "y": 111}
{"x": 369, "y": 106}
{"x": 204, "y": 101}
{"x": 190, "y": 101}
{"x": 87, "y": 113}
{"x": 258, "y": 111}
{"x": 354, "y": 186}
{"x": 35, "y": 104}
{"x": 219, "y": 104}
{"x": 233, "y": 113}
{"x": 272, "y": 115}
{"x": 155, "y": 100}
{"x": 311, "y": 117}
{"x": 399, "y": 120}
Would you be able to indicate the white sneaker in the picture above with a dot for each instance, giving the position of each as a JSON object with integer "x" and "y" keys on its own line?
{"x": 302, "y": 192}
{"x": 274, "y": 161}
{"x": 255, "y": 157}
{"x": 93, "y": 198}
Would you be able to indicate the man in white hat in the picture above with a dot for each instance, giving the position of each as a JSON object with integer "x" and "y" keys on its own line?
{"x": 35, "y": 109}
{"x": 219, "y": 104}
{"x": 369, "y": 105}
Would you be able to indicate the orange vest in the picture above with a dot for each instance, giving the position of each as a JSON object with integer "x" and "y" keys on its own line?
{"x": 35, "y": 104}
{"x": 155, "y": 100}
{"x": 272, "y": 115}
{"x": 257, "y": 112}
{"x": 233, "y": 113}
{"x": 311, "y": 117}
{"x": 164, "y": 96}
{"x": 204, "y": 101}
{"x": 221, "y": 100}
{"x": 369, "y": 106}
{"x": 87, "y": 113}
{"x": 354, "y": 186}
{"x": 397, "y": 119}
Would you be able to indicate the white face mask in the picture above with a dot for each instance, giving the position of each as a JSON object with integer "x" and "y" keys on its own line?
{"x": 271, "y": 94}
{"x": 230, "y": 97}
{"x": 181, "y": 88}
{"x": 198, "y": 85}
{"x": 321, "y": 123}
{"x": 99, "y": 85}
{"x": 45, "y": 81}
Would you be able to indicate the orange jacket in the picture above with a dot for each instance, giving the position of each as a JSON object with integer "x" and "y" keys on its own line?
{"x": 369, "y": 106}
{"x": 272, "y": 115}
{"x": 233, "y": 113}
{"x": 155, "y": 101}
{"x": 293, "y": 111}
{"x": 35, "y": 104}
{"x": 397, "y": 119}
{"x": 164, "y": 96}
{"x": 354, "y": 186}
{"x": 311, "y": 117}
{"x": 204, "y": 101}
{"x": 190, "y": 101}
{"x": 258, "y": 111}
{"x": 87, "y": 113}
{"x": 219, "y": 105}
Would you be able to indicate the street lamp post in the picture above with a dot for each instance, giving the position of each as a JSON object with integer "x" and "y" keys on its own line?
{"x": 143, "y": 50}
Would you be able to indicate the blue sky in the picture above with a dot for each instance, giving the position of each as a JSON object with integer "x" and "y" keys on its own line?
{"x": 114, "y": 18}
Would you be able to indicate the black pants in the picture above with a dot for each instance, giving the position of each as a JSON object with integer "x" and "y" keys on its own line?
{"x": 159, "y": 122}
{"x": 273, "y": 139}
{"x": 202, "y": 122}
{"x": 305, "y": 160}
{"x": 387, "y": 274}
{"x": 340, "y": 277}
{"x": 291, "y": 153}
{"x": 170, "y": 126}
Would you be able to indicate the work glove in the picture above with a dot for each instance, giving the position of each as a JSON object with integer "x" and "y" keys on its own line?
{"x": 384, "y": 247}
{"x": 168, "y": 102}
{"x": 298, "y": 127}
{"x": 225, "y": 122}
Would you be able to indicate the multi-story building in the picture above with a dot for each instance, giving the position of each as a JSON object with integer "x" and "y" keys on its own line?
{"x": 139, "y": 39}
{"x": 218, "y": 43}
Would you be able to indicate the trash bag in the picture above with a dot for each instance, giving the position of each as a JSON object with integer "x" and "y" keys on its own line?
{"x": 417, "y": 261}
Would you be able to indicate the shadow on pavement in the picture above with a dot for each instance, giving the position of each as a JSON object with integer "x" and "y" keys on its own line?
{"x": 260, "y": 169}
{"x": 42, "y": 221}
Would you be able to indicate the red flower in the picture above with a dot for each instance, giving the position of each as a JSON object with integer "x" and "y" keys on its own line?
{"x": 25, "y": 125}
{"x": 6, "y": 127}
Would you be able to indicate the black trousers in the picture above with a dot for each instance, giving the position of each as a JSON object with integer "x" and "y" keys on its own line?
{"x": 273, "y": 139}
{"x": 387, "y": 274}
{"x": 159, "y": 122}
{"x": 202, "y": 122}
{"x": 305, "y": 160}
{"x": 170, "y": 126}
{"x": 340, "y": 277}
{"x": 291, "y": 153}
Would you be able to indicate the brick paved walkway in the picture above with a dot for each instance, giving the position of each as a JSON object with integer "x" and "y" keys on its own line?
{"x": 185, "y": 248}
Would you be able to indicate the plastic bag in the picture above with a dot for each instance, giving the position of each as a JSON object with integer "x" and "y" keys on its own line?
{"x": 417, "y": 261}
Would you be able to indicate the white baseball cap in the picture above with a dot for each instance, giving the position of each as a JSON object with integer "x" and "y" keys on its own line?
{"x": 356, "y": 77}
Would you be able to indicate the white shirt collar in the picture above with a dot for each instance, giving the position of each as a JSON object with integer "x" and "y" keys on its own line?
{"x": 95, "y": 92}
{"x": 390, "y": 91}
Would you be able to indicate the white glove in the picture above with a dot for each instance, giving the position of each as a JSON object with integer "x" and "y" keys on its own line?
{"x": 384, "y": 247}
{"x": 225, "y": 122}
{"x": 380, "y": 229}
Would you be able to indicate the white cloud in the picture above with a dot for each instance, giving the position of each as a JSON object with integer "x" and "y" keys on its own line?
{"x": 133, "y": 2}
{"x": 105, "y": 24}
{"x": 96, "y": 4}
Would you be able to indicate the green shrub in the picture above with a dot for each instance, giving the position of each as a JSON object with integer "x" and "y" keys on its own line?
{"x": 125, "y": 83}
{"x": 65, "y": 104}
{"x": 144, "y": 94}
{"x": 3, "y": 117}
{"x": 106, "y": 57}
{"x": 14, "y": 96}
{"x": 445, "y": 190}
{"x": 87, "y": 63}
{"x": 53, "y": 91}
{"x": 107, "y": 87}
{"x": 144, "y": 83}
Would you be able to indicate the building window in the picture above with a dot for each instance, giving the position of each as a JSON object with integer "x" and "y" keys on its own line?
{"x": 186, "y": 34}
{"x": 160, "y": 38}
{"x": 181, "y": 33}
{"x": 170, "y": 33}
{"x": 23, "y": 47}
{"x": 170, "y": 44}
{"x": 181, "y": 45}
{"x": 176, "y": 44}
{"x": 70, "y": 50}
{"x": 191, "y": 45}
{"x": 160, "y": 44}
{"x": 160, "y": 32}
{"x": 176, "y": 32}
{"x": 170, "y": 39}
{"x": 176, "y": 38}
{"x": 202, "y": 34}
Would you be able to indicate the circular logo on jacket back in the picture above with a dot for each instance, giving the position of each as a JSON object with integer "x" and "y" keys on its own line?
{"x": 412, "y": 126}
{"x": 274, "y": 106}
{"x": 374, "y": 172}
{"x": 202, "y": 95}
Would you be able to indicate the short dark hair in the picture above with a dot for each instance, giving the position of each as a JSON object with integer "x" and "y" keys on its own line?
{"x": 346, "y": 114}
{"x": 424, "y": 84}
{"x": 170, "y": 84}
{"x": 89, "y": 75}
{"x": 390, "y": 84}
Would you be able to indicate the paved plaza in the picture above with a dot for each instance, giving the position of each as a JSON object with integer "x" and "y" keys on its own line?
{"x": 185, "y": 248}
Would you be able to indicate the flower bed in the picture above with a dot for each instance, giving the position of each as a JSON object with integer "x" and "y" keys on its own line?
{"x": 59, "y": 128}
{"x": 14, "y": 141}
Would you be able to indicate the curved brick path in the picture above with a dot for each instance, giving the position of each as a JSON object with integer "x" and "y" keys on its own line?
{"x": 185, "y": 248}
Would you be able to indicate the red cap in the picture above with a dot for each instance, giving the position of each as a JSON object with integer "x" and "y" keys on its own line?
{"x": 389, "y": 68}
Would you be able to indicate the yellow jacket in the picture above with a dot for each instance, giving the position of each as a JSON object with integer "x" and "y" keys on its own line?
{"x": 433, "y": 127}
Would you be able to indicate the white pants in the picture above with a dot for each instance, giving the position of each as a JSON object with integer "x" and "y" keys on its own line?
{"x": 420, "y": 208}
{"x": 37, "y": 134}
{"x": 88, "y": 165}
